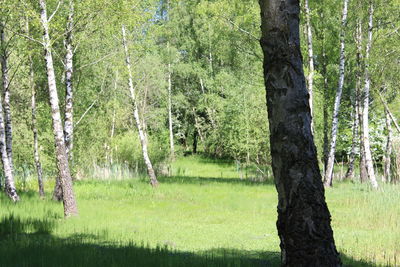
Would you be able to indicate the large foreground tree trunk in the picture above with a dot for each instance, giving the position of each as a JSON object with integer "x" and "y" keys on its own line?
{"x": 365, "y": 121}
{"x": 303, "y": 216}
{"x": 142, "y": 136}
{"x": 338, "y": 98}
{"x": 64, "y": 174}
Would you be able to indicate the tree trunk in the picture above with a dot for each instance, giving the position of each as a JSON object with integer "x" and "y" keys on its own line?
{"x": 69, "y": 202}
{"x": 171, "y": 133}
{"x": 6, "y": 95}
{"x": 388, "y": 153}
{"x": 350, "y": 170}
{"x": 338, "y": 98}
{"x": 326, "y": 100}
{"x": 5, "y": 121}
{"x": 36, "y": 154}
{"x": 195, "y": 133}
{"x": 142, "y": 136}
{"x": 69, "y": 70}
{"x": 365, "y": 123}
{"x": 310, "y": 77}
{"x": 303, "y": 216}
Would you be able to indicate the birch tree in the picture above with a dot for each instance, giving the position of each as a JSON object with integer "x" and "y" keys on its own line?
{"x": 36, "y": 153}
{"x": 365, "y": 99}
{"x": 303, "y": 216}
{"x": 5, "y": 53}
{"x": 142, "y": 136}
{"x": 70, "y": 207}
{"x": 338, "y": 98}
{"x": 388, "y": 152}
{"x": 310, "y": 77}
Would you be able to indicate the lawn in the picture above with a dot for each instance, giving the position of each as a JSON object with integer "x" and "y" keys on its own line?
{"x": 203, "y": 215}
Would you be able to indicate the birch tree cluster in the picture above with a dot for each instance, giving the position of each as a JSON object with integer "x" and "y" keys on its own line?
{"x": 96, "y": 85}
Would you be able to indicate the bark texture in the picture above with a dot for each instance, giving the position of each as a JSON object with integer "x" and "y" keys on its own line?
{"x": 6, "y": 95}
{"x": 389, "y": 145}
{"x": 5, "y": 132}
{"x": 310, "y": 77}
{"x": 36, "y": 154}
{"x": 142, "y": 136}
{"x": 303, "y": 216}
{"x": 70, "y": 207}
{"x": 338, "y": 98}
{"x": 365, "y": 120}
{"x": 69, "y": 70}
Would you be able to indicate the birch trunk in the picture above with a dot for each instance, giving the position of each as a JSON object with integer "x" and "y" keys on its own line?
{"x": 6, "y": 96}
{"x": 142, "y": 136}
{"x": 326, "y": 100}
{"x": 310, "y": 77}
{"x": 356, "y": 125}
{"x": 69, "y": 202}
{"x": 36, "y": 154}
{"x": 388, "y": 153}
{"x": 359, "y": 59}
{"x": 365, "y": 122}
{"x": 303, "y": 216}
{"x": 171, "y": 133}
{"x": 69, "y": 70}
{"x": 338, "y": 98}
{"x": 6, "y": 153}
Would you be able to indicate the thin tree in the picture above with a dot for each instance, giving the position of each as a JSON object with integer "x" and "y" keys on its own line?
{"x": 389, "y": 145}
{"x": 304, "y": 222}
{"x": 5, "y": 149}
{"x": 365, "y": 99}
{"x": 338, "y": 98}
{"x": 310, "y": 77}
{"x": 68, "y": 112}
{"x": 36, "y": 154}
{"x": 70, "y": 207}
{"x": 6, "y": 93}
{"x": 171, "y": 132}
{"x": 142, "y": 136}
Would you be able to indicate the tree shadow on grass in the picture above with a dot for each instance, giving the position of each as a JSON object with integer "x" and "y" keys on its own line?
{"x": 29, "y": 242}
{"x": 213, "y": 180}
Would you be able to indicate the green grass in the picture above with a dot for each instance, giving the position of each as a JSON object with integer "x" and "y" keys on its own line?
{"x": 198, "y": 217}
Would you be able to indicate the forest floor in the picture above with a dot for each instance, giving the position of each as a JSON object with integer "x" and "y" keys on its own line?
{"x": 203, "y": 215}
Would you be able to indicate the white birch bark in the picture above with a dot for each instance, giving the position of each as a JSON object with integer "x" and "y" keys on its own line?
{"x": 365, "y": 121}
{"x": 6, "y": 96}
{"x": 336, "y": 109}
{"x": 310, "y": 77}
{"x": 69, "y": 70}
{"x": 36, "y": 154}
{"x": 70, "y": 207}
{"x": 142, "y": 136}
{"x": 171, "y": 133}
{"x": 6, "y": 153}
{"x": 388, "y": 153}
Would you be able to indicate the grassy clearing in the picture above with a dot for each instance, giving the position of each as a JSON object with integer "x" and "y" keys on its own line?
{"x": 213, "y": 218}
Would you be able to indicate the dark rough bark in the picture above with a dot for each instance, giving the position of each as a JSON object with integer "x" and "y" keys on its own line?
{"x": 303, "y": 216}
{"x": 70, "y": 207}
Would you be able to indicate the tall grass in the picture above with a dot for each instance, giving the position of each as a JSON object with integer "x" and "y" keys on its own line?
{"x": 190, "y": 220}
